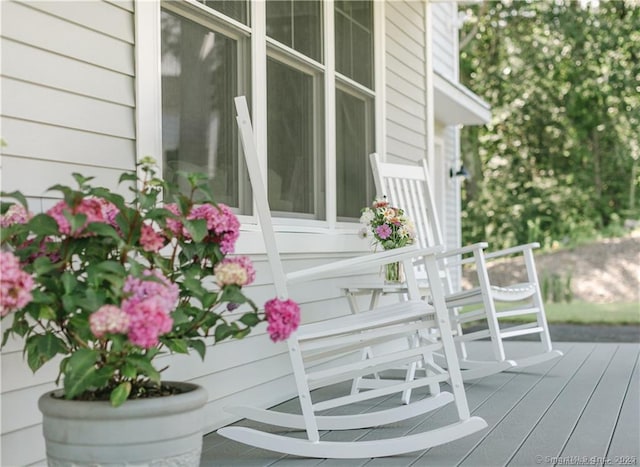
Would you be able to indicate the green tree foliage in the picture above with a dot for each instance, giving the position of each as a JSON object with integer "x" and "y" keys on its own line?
{"x": 558, "y": 162}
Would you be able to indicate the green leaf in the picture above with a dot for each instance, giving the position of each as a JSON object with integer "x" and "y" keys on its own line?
{"x": 120, "y": 394}
{"x": 197, "y": 228}
{"x": 223, "y": 330}
{"x": 250, "y": 319}
{"x": 80, "y": 372}
{"x": 128, "y": 177}
{"x": 43, "y": 224}
{"x": 41, "y": 348}
{"x": 194, "y": 286}
{"x": 68, "y": 282}
{"x": 46, "y": 313}
{"x": 177, "y": 345}
{"x": 15, "y": 195}
{"x": 199, "y": 346}
{"x": 77, "y": 221}
{"x": 128, "y": 371}
{"x": 143, "y": 364}
{"x": 43, "y": 265}
{"x": 103, "y": 229}
{"x": 112, "y": 267}
{"x": 233, "y": 294}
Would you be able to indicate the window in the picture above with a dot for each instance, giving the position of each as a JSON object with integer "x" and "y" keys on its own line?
{"x": 354, "y": 40}
{"x": 297, "y": 25}
{"x": 354, "y": 107}
{"x": 295, "y": 118}
{"x": 199, "y": 79}
{"x": 236, "y": 9}
{"x": 293, "y": 155}
{"x": 206, "y": 61}
{"x": 354, "y": 143}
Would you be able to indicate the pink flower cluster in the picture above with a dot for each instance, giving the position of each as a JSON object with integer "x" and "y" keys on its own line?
{"x": 16, "y": 214}
{"x": 151, "y": 240}
{"x": 145, "y": 314}
{"x": 96, "y": 210}
{"x": 222, "y": 224}
{"x": 109, "y": 319}
{"x": 15, "y": 284}
{"x": 238, "y": 271}
{"x": 149, "y": 305}
{"x": 283, "y": 317}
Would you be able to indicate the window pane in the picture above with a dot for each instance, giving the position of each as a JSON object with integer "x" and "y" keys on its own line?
{"x": 236, "y": 9}
{"x": 199, "y": 81}
{"x": 354, "y": 142}
{"x": 354, "y": 40}
{"x": 296, "y": 24}
{"x": 293, "y": 176}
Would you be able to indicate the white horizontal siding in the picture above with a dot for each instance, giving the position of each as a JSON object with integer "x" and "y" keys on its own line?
{"x": 405, "y": 80}
{"x": 68, "y": 105}
{"x": 35, "y": 177}
{"x": 444, "y": 27}
{"x": 66, "y": 145}
{"x": 34, "y": 65}
{"x": 27, "y": 24}
{"x": 32, "y": 102}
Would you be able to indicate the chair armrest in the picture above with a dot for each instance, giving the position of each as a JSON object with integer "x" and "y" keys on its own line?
{"x": 475, "y": 248}
{"x": 360, "y": 263}
{"x": 512, "y": 250}
{"x": 463, "y": 250}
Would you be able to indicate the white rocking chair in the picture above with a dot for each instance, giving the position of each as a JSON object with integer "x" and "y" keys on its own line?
{"x": 408, "y": 187}
{"x": 326, "y": 352}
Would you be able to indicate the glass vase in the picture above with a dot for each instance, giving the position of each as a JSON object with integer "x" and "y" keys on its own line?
{"x": 394, "y": 273}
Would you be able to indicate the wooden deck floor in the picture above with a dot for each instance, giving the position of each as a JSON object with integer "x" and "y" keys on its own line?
{"x": 580, "y": 409}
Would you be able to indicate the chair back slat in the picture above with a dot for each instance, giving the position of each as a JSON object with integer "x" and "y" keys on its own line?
{"x": 408, "y": 187}
{"x": 260, "y": 196}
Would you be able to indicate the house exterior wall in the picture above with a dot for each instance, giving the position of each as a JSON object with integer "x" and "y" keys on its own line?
{"x": 69, "y": 104}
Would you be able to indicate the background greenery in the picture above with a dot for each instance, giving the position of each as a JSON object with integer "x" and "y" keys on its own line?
{"x": 558, "y": 163}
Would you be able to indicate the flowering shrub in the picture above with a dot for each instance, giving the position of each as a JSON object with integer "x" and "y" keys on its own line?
{"x": 110, "y": 284}
{"x": 388, "y": 225}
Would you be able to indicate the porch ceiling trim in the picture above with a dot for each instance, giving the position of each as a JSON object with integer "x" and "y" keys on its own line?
{"x": 455, "y": 104}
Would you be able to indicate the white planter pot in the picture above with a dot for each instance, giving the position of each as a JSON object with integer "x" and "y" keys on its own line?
{"x": 163, "y": 431}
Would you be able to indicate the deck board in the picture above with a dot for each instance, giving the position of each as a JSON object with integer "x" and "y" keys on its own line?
{"x": 499, "y": 446}
{"x": 586, "y": 403}
{"x": 625, "y": 444}
{"x": 594, "y": 428}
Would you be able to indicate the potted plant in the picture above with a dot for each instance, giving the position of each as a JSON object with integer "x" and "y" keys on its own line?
{"x": 109, "y": 284}
{"x": 389, "y": 227}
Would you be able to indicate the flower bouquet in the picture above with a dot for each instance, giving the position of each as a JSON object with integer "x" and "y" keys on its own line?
{"x": 110, "y": 283}
{"x": 390, "y": 228}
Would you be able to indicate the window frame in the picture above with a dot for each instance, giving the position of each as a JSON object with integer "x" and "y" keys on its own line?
{"x": 254, "y": 41}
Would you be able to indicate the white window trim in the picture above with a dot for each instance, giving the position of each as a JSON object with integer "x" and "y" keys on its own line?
{"x": 148, "y": 82}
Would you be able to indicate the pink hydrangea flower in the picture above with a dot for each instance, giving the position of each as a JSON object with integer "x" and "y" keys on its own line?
{"x": 283, "y": 317}
{"x": 150, "y": 239}
{"x": 174, "y": 225}
{"x": 109, "y": 212}
{"x": 16, "y": 214}
{"x": 238, "y": 271}
{"x": 15, "y": 284}
{"x": 148, "y": 321}
{"x": 383, "y": 231}
{"x": 140, "y": 289}
{"x": 109, "y": 319}
{"x": 91, "y": 207}
{"x": 221, "y": 222}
